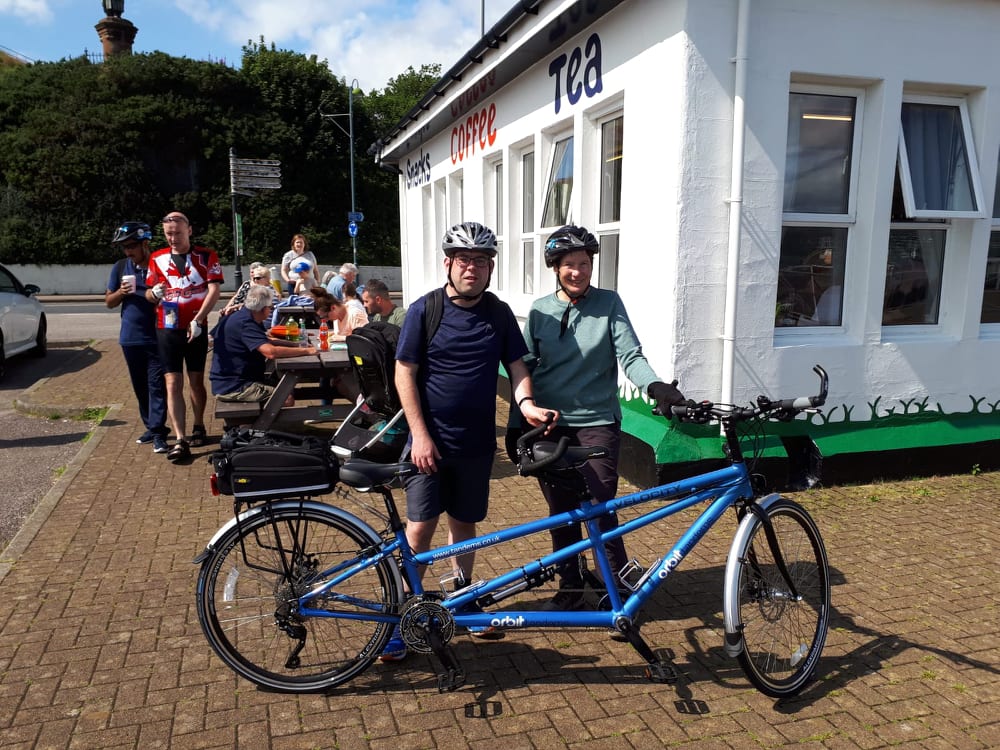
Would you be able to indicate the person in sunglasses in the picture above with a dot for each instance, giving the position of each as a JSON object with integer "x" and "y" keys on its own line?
{"x": 260, "y": 275}
{"x": 184, "y": 283}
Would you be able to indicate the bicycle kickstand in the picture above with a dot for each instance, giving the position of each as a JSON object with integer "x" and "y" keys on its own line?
{"x": 453, "y": 676}
{"x": 657, "y": 670}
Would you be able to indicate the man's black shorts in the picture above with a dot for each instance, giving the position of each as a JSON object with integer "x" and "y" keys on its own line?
{"x": 176, "y": 351}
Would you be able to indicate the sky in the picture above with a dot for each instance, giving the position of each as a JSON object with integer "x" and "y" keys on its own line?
{"x": 370, "y": 40}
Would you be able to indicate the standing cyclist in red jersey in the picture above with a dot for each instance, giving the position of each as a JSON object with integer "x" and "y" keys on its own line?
{"x": 184, "y": 282}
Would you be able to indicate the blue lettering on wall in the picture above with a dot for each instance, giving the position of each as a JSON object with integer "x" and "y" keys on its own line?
{"x": 568, "y": 67}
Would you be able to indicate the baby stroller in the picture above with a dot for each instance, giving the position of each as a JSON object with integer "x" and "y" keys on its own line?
{"x": 375, "y": 429}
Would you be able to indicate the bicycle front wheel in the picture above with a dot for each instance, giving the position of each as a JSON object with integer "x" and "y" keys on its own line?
{"x": 783, "y": 628}
{"x": 248, "y": 598}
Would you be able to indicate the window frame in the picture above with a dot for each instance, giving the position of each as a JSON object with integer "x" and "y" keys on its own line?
{"x": 903, "y": 162}
{"x": 834, "y": 221}
{"x": 606, "y": 271}
{"x": 994, "y": 230}
{"x": 494, "y": 200}
{"x": 850, "y": 217}
{"x": 526, "y": 213}
{"x": 554, "y": 141}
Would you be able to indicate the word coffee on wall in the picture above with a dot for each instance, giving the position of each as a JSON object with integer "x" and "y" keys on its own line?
{"x": 479, "y": 129}
{"x": 567, "y": 69}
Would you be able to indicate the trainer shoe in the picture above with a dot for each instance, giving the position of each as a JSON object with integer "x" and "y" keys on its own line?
{"x": 146, "y": 437}
{"x": 159, "y": 444}
{"x": 569, "y": 597}
{"x": 395, "y": 649}
{"x": 481, "y": 631}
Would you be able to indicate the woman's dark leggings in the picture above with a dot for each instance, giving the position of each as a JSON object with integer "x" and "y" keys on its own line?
{"x": 601, "y": 475}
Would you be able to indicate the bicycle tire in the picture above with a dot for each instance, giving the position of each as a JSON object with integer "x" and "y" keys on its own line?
{"x": 783, "y": 637}
{"x": 247, "y": 606}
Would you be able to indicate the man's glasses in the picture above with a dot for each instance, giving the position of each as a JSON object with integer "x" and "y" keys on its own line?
{"x": 464, "y": 261}
{"x": 172, "y": 219}
{"x": 260, "y": 278}
{"x": 131, "y": 245}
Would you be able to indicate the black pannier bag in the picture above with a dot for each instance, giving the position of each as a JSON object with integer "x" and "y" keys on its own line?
{"x": 270, "y": 466}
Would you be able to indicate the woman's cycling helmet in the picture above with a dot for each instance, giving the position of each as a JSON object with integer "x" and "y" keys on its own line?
{"x": 469, "y": 235}
{"x": 568, "y": 239}
{"x": 132, "y": 230}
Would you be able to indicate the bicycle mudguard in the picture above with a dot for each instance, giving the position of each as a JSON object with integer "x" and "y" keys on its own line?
{"x": 730, "y": 597}
{"x": 256, "y": 510}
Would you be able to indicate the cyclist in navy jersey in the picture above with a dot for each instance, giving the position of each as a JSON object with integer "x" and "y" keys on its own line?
{"x": 448, "y": 391}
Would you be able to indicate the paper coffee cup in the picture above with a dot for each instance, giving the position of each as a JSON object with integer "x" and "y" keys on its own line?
{"x": 129, "y": 281}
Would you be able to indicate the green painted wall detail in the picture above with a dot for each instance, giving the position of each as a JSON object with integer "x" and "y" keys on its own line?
{"x": 903, "y": 424}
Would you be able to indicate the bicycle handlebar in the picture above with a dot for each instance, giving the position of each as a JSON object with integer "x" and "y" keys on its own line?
{"x": 525, "y": 465}
{"x": 783, "y": 409}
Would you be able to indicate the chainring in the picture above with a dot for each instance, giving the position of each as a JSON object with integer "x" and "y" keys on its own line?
{"x": 418, "y": 617}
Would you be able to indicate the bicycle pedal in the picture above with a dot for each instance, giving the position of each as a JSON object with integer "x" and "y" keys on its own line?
{"x": 661, "y": 672}
{"x": 451, "y": 680}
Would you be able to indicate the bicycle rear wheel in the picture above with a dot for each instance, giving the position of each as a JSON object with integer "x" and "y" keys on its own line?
{"x": 248, "y": 603}
{"x": 783, "y": 634}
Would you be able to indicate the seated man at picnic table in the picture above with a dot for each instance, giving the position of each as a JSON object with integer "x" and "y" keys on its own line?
{"x": 242, "y": 348}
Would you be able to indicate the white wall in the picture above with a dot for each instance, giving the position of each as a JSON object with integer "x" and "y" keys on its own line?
{"x": 670, "y": 65}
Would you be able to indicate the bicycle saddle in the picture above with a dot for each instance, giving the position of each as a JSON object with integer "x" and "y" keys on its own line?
{"x": 574, "y": 456}
{"x": 361, "y": 473}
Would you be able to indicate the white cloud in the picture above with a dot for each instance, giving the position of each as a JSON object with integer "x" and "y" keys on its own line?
{"x": 371, "y": 40}
{"x": 31, "y": 11}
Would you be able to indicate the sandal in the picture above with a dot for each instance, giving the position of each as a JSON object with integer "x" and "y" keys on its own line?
{"x": 180, "y": 452}
{"x": 198, "y": 435}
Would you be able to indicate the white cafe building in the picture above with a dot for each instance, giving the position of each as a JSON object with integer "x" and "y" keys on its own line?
{"x": 774, "y": 183}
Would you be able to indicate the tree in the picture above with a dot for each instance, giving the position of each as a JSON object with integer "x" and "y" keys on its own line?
{"x": 84, "y": 147}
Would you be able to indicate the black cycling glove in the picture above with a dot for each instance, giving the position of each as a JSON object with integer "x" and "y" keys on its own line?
{"x": 665, "y": 395}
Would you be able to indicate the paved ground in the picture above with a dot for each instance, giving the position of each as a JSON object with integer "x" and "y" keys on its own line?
{"x": 100, "y": 646}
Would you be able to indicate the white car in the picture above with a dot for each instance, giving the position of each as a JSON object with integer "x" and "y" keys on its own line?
{"x": 22, "y": 319}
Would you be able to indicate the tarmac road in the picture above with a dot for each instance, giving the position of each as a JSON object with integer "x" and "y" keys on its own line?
{"x": 34, "y": 450}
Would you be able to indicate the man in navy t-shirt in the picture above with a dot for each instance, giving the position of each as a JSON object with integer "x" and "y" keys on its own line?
{"x": 448, "y": 392}
{"x": 127, "y": 288}
{"x": 242, "y": 349}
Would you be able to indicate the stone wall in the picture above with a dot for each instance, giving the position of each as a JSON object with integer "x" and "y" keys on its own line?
{"x": 93, "y": 279}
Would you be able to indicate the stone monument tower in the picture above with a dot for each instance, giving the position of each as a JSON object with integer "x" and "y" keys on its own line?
{"x": 116, "y": 33}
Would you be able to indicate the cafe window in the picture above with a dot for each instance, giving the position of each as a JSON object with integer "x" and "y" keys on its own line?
{"x": 612, "y": 136}
{"x": 937, "y": 164}
{"x": 456, "y": 195}
{"x": 528, "y": 222}
{"x": 559, "y": 188}
{"x": 494, "y": 208}
{"x": 818, "y": 206}
{"x": 937, "y": 181}
{"x": 991, "y": 284}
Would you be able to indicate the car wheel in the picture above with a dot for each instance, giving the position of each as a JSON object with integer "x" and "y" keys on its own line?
{"x": 41, "y": 340}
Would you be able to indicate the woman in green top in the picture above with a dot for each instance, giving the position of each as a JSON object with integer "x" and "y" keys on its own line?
{"x": 576, "y": 339}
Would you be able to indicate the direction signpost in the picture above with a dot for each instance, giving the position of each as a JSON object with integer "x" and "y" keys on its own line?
{"x": 246, "y": 177}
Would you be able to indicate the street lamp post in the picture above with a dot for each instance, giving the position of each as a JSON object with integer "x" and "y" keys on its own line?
{"x": 353, "y": 218}
{"x": 350, "y": 123}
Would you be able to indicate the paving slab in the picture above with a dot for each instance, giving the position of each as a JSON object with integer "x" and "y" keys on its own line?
{"x": 100, "y": 645}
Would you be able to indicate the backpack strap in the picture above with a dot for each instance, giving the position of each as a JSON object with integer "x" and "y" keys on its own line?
{"x": 434, "y": 309}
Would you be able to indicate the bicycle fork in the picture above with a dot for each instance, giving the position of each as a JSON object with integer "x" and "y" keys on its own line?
{"x": 758, "y": 513}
